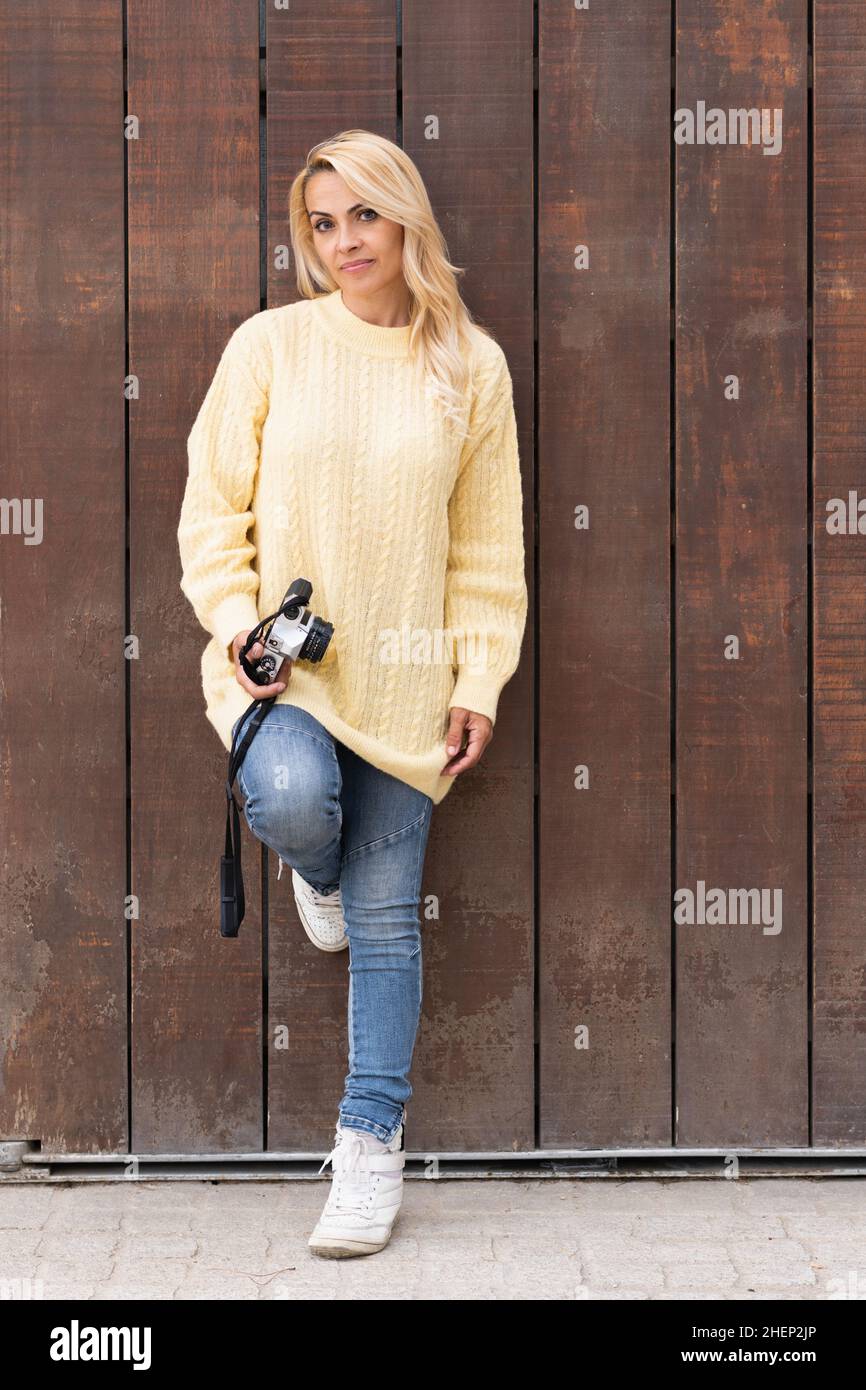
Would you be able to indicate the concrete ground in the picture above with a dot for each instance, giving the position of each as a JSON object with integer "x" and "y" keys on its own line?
{"x": 565, "y": 1238}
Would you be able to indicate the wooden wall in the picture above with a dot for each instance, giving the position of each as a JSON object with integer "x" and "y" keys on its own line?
{"x": 685, "y": 322}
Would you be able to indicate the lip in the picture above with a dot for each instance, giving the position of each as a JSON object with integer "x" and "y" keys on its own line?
{"x": 357, "y": 265}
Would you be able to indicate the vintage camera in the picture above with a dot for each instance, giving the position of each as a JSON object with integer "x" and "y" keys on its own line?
{"x": 293, "y": 632}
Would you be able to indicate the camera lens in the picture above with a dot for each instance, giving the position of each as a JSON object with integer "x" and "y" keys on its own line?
{"x": 317, "y": 639}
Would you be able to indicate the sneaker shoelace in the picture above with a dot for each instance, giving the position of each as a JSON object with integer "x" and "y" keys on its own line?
{"x": 332, "y": 900}
{"x": 326, "y": 899}
{"x": 353, "y": 1178}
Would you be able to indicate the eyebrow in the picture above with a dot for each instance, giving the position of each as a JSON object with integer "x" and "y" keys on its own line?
{"x": 315, "y": 212}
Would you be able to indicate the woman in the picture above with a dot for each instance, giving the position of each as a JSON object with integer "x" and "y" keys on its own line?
{"x": 365, "y": 438}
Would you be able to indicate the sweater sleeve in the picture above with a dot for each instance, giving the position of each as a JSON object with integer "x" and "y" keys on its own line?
{"x": 485, "y": 588}
{"x": 223, "y": 446}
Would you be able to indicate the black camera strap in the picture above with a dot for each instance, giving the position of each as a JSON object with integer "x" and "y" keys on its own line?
{"x": 232, "y": 899}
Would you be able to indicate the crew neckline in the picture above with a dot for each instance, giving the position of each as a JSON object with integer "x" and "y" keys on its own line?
{"x": 356, "y": 332}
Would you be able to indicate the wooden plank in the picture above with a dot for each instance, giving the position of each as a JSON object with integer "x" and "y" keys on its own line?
{"x": 330, "y": 67}
{"x": 604, "y": 642}
{"x": 473, "y": 1073}
{"x": 193, "y": 276}
{"x": 319, "y": 86}
{"x": 839, "y": 623}
{"x": 62, "y": 730}
{"x": 741, "y": 577}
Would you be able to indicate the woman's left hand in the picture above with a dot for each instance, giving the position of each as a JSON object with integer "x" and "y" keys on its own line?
{"x": 479, "y": 732}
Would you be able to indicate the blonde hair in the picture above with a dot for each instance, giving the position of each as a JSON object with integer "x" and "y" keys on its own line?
{"x": 383, "y": 176}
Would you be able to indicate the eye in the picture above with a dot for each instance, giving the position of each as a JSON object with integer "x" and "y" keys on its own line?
{"x": 328, "y": 222}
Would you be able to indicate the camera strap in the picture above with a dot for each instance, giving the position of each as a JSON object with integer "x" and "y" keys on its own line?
{"x": 232, "y": 899}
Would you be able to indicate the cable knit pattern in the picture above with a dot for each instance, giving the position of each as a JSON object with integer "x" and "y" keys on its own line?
{"x": 318, "y": 452}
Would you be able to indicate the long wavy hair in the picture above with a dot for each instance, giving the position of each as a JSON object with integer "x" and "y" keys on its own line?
{"x": 382, "y": 176}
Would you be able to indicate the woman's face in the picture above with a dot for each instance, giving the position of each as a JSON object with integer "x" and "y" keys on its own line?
{"x": 345, "y": 230}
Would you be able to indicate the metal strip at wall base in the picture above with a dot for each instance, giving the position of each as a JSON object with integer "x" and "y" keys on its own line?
{"x": 30, "y": 1165}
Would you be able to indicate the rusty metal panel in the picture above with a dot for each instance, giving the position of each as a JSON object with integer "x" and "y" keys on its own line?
{"x": 608, "y": 1026}
{"x": 320, "y": 80}
{"x": 468, "y": 124}
{"x": 741, "y": 574}
{"x": 62, "y": 746}
{"x": 604, "y": 581}
{"x": 193, "y": 276}
{"x": 839, "y": 622}
{"x": 330, "y": 67}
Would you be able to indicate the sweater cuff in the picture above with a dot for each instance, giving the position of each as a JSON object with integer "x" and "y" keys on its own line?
{"x": 478, "y": 693}
{"x": 237, "y": 613}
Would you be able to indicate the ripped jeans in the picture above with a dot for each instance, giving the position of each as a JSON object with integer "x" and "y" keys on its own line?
{"x": 342, "y": 823}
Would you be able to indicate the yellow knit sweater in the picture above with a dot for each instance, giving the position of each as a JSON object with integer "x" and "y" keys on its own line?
{"x": 318, "y": 454}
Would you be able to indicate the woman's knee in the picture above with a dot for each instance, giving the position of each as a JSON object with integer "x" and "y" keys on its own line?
{"x": 292, "y": 794}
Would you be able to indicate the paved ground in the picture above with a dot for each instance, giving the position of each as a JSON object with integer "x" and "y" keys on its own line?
{"x": 550, "y": 1239}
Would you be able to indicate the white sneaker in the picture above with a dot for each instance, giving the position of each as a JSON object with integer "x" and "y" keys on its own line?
{"x": 366, "y": 1193}
{"x": 321, "y": 915}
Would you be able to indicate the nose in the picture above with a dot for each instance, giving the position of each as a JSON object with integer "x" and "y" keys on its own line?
{"x": 347, "y": 242}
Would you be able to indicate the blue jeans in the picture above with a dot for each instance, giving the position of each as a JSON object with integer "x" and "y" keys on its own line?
{"x": 342, "y": 823}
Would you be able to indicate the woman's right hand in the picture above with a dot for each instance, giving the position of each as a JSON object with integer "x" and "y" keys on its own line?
{"x": 260, "y": 692}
